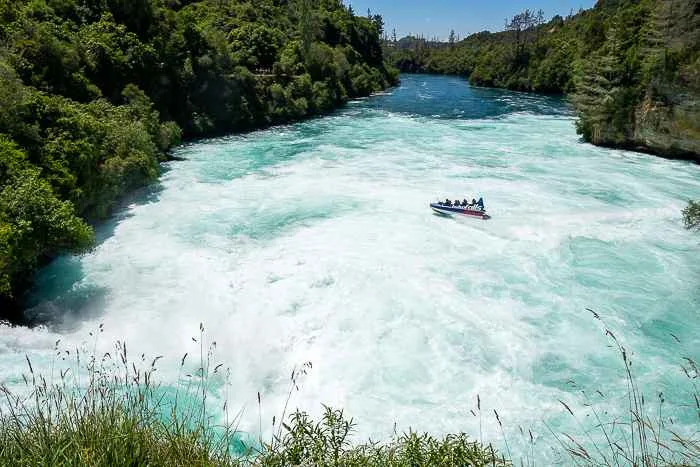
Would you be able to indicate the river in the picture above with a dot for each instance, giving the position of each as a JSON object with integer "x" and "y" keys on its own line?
{"x": 314, "y": 242}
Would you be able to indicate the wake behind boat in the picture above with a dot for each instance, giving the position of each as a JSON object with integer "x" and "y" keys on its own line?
{"x": 449, "y": 208}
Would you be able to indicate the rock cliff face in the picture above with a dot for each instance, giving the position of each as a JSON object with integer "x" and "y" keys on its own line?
{"x": 668, "y": 119}
{"x": 641, "y": 88}
{"x": 669, "y": 128}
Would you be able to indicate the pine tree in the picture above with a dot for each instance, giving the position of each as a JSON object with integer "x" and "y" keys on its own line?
{"x": 539, "y": 21}
{"x": 597, "y": 92}
{"x": 378, "y": 23}
{"x": 308, "y": 24}
{"x": 675, "y": 26}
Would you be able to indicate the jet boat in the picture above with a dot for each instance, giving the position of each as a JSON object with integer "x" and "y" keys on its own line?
{"x": 448, "y": 208}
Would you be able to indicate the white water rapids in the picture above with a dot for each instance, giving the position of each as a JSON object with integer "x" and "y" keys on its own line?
{"x": 314, "y": 242}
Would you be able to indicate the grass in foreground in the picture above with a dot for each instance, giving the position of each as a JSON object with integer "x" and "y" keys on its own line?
{"x": 118, "y": 416}
{"x": 643, "y": 435}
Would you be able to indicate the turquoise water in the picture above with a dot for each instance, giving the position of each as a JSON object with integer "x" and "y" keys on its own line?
{"x": 313, "y": 242}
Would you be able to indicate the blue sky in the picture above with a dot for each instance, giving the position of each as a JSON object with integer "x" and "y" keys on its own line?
{"x": 437, "y": 17}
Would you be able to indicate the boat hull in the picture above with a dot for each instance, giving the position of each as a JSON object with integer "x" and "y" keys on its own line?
{"x": 451, "y": 211}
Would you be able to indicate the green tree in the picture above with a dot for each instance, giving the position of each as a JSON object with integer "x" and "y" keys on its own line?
{"x": 378, "y": 21}
{"x": 93, "y": 94}
{"x": 34, "y": 223}
{"x": 308, "y": 23}
{"x": 631, "y": 68}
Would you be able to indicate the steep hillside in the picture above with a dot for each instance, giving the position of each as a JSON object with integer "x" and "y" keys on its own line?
{"x": 632, "y": 68}
{"x": 94, "y": 93}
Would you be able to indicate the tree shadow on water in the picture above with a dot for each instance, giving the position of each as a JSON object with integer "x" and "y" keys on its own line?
{"x": 124, "y": 209}
{"x": 63, "y": 295}
{"x": 67, "y": 304}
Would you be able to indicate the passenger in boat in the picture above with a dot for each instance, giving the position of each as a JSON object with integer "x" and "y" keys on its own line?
{"x": 473, "y": 202}
{"x": 464, "y": 203}
{"x": 448, "y": 203}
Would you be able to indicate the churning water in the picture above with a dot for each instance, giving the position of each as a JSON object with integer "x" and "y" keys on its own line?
{"x": 314, "y": 242}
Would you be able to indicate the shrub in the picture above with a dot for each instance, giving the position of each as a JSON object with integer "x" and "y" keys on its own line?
{"x": 691, "y": 215}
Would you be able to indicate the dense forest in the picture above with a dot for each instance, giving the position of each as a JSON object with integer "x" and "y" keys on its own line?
{"x": 93, "y": 93}
{"x": 631, "y": 67}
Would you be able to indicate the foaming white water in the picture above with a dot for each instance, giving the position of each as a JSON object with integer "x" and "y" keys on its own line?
{"x": 314, "y": 243}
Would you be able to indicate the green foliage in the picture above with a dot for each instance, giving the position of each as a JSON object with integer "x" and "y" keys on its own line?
{"x": 530, "y": 55}
{"x": 257, "y": 44}
{"x": 33, "y": 221}
{"x": 199, "y": 62}
{"x": 691, "y": 215}
{"x": 119, "y": 416}
{"x": 631, "y": 68}
{"x": 105, "y": 410}
{"x": 94, "y": 94}
{"x": 327, "y": 443}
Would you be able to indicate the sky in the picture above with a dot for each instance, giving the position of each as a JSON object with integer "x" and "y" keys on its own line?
{"x": 438, "y": 17}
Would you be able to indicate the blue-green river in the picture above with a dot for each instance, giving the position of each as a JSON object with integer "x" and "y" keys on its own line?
{"x": 314, "y": 242}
